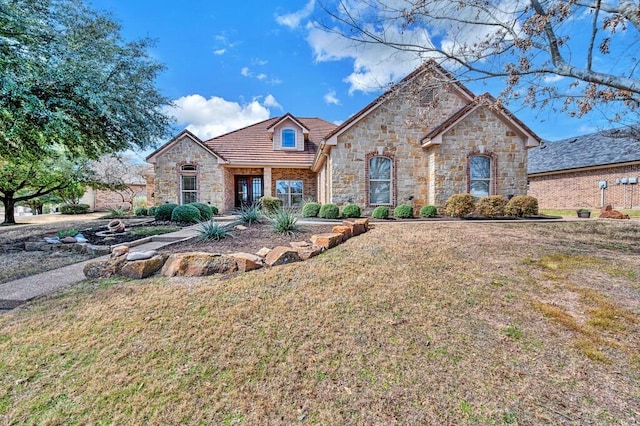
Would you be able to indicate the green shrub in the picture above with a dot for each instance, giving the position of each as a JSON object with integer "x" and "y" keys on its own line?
{"x": 522, "y": 205}
{"x": 67, "y": 233}
{"x": 151, "y": 211}
{"x": 205, "y": 210}
{"x": 403, "y": 211}
{"x": 250, "y": 214}
{"x": 428, "y": 211}
{"x": 351, "y": 210}
{"x": 380, "y": 212}
{"x": 211, "y": 230}
{"x": 459, "y": 205}
{"x": 164, "y": 211}
{"x": 140, "y": 211}
{"x": 270, "y": 204}
{"x": 186, "y": 213}
{"x": 329, "y": 211}
{"x": 491, "y": 206}
{"x": 74, "y": 208}
{"x": 214, "y": 210}
{"x": 311, "y": 209}
{"x": 284, "y": 222}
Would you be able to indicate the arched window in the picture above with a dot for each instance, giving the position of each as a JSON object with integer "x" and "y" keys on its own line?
{"x": 188, "y": 184}
{"x": 380, "y": 183}
{"x": 480, "y": 175}
{"x": 288, "y": 138}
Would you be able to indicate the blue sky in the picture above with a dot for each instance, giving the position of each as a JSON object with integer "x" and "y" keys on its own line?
{"x": 231, "y": 64}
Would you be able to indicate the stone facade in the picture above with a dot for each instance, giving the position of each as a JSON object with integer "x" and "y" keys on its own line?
{"x": 576, "y": 189}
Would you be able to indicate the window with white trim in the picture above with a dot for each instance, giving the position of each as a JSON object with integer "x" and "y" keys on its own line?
{"x": 289, "y": 192}
{"x": 188, "y": 184}
{"x": 479, "y": 175}
{"x": 288, "y": 138}
{"x": 379, "y": 180}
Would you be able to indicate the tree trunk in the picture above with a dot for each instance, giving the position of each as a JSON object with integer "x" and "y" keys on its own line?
{"x": 9, "y": 207}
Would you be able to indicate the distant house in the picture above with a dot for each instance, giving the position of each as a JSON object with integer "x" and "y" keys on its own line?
{"x": 587, "y": 171}
{"x": 427, "y": 138}
{"x": 135, "y": 178}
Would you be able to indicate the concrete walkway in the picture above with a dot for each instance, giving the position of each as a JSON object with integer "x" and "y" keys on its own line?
{"x": 15, "y": 293}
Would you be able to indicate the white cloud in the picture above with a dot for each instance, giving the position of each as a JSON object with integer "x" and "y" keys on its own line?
{"x": 223, "y": 44}
{"x": 552, "y": 78}
{"x": 261, "y": 76}
{"x": 220, "y": 52}
{"x": 292, "y": 20}
{"x": 215, "y": 116}
{"x": 245, "y": 72}
{"x": 331, "y": 98}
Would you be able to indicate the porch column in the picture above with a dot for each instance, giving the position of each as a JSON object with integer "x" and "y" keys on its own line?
{"x": 267, "y": 181}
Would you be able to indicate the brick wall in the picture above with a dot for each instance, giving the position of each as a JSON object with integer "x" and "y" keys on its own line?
{"x": 308, "y": 178}
{"x": 580, "y": 188}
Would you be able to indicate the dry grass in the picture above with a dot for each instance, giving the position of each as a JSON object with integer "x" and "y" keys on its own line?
{"x": 412, "y": 323}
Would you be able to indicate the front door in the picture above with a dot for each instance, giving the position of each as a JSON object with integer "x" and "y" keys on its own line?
{"x": 249, "y": 190}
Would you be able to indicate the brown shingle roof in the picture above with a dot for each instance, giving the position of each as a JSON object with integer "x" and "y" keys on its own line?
{"x": 253, "y": 144}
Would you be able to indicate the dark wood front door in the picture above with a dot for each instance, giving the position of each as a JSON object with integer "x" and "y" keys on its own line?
{"x": 249, "y": 190}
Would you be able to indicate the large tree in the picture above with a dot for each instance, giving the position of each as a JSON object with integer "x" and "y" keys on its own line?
{"x": 69, "y": 79}
{"x": 574, "y": 54}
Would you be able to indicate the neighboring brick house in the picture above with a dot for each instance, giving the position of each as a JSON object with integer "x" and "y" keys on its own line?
{"x": 587, "y": 171}
{"x": 418, "y": 143}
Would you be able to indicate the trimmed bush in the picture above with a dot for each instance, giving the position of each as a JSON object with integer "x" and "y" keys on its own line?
{"x": 140, "y": 211}
{"x": 459, "y": 205}
{"x": 214, "y": 210}
{"x": 403, "y": 211}
{"x": 311, "y": 209}
{"x": 351, "y": 210}
{"x": 491, "y": 206}
{"x": 151, "y": 211}
{"x": 205, "y": 210}
{"x": 329, "y": 211}
{"x": 186, "y": 213}
{"x": 380, "y": 212}
{"x": 74, "y": 208}
{"x": 270, "y": 204}
{"x": 428, "y": 211}
{"x": 164, "y": 211}
{"x": 522, "y": 205}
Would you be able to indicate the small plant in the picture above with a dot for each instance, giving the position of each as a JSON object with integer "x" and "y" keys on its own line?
{"x": 428, "y": 211}
{"x": 214, "y": 210}
{"x": 67, "y": 233}
{"x": 460, "y": 205}
{"x": 380, "y": 212}
{"x": 140, "y": 211}
{"x": 186, "y": 213}
{"x": 491, "y": 206}
{"x": 351, "y": 210}
{"x": 329, "y": 211}
{"x": 284, "y": 222}
{"x": 522, "y": 205}
{"x": 250, "y": 214}
{"x": 270, "y": 204}
{"x": 74, "y": 208}
{"x": 151, "y": 211}
{"x": 403, "y": 211}
{"x": 205, "y": 210}
{"x": 117, "y": 213}
{"x": 164, "y": 211}
{"x": 211, "y": 230}
{"x": 311, "y": 209}
{"x": 583, "y": 211}
{"x": 513, "y": 332}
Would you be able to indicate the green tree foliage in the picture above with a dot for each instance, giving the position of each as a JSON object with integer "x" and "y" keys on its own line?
{"x": 69, "y": 79}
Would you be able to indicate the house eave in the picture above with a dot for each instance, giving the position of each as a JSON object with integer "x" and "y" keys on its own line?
{"x": 583, "y": 169}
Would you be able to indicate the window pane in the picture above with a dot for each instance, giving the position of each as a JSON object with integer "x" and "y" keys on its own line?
{"x": 480, "y": 167}
{"x": 289, "y": 138}
{"x": 282, "y": 186}
{"x": 296, "y": 200}
{"x": 295, "y": 186}
{"x": 188, "y": 183}
{"x": 379, "y": 193}
{"x": 479, "y": 188}
{"x": 189, "y": 197}
{"x": 188, "y": 168}
{"x": 284, "y": 199}
{"x": 380, "y": 168}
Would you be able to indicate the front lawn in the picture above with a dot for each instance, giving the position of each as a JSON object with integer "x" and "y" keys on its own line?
{"x": 411, "y": 323}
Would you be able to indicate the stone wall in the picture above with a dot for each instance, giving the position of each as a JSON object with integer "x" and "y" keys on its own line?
{"x": 580, "y": 189}
{"x": 210, "y": 184}
{"x": 104, "y": 200}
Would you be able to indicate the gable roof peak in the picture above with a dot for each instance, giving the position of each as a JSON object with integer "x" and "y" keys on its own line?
{"x": 291, "y": 117}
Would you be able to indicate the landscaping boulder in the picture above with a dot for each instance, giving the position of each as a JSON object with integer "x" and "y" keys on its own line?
{"x": 609, "y": 213}
{"x": 282, "y": 255}
{"x": 141, "y": 255}
{"x": 119, "y": 251}
{"x": 198, "y": 264}
{"x": 344, "y": 230}
{"x": 68, "y": 240}
{"x": 363, "y": 222}
{"x": 94, "y": 250}
{"x": 356, "y": 228}
{"x": 326, "y": 241}
{"x": 98, "y": 269}
{"x": 299, "y": 244}
{"x": 263, "y": 252}
{"x": 34, "y": 245}
{"x": 143, "y": 268}
{"x": 308, "y": 252}
{"x": 247, "y": 261}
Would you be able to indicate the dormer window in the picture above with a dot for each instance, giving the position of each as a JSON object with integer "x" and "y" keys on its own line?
{"x": 288, "y": 138}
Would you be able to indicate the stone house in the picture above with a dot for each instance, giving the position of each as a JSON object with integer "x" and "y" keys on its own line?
{"x": 587, "y": 171}
{"x": 425, "y": 139}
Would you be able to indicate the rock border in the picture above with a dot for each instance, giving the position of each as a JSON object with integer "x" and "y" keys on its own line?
{"x": 139, "y": 265}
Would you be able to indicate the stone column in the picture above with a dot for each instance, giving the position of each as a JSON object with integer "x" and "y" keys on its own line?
{"x": 267, "y": 181}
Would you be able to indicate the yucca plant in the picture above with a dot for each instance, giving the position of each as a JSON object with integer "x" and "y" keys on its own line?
{"x": 284, "y": 222}
{"x": 250, "y": 214}
{"x": 212, "y": 230}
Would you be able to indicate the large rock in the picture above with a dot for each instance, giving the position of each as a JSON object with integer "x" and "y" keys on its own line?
{"x": 143, "y": 268}
{"x": 344, "y": 230}
{"x": 609, "y": 213}
{"x": 263, "y": 252}
{"x": 141, "y": 255}
{"x": 33, "y": 245}
{"x": 356, "y": 228}
{"x": 94, "y": 250}
{"x": 247, "y": 261}
{"x": 119, "y": 251}
{"x": 68, "y": 240}
{"x": 364, "y": 222}
{"x": 282, "y": 255}
{"x": 326, "y": 241}
{"x": 308, "y": 252}
{"x": 98, "y": 269}
{"x": 198, "y": 264}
